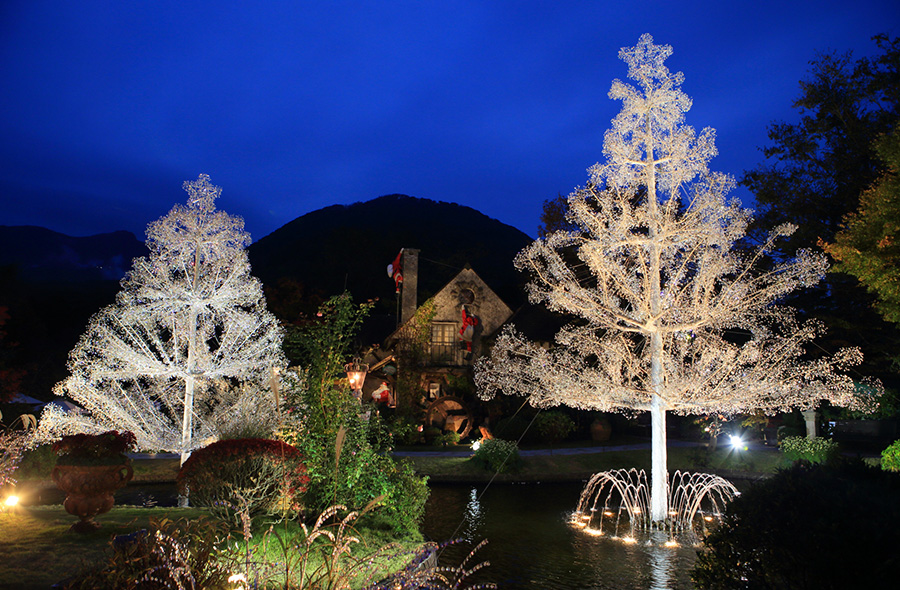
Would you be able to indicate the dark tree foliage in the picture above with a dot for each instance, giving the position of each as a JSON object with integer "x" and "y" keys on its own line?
{"x": 817, "y": 168}
{"x": 809, "y": 526}
{"x": 815, "y": 171}
{"x": 867, "y": 246}
{"x": 553, "y": 216}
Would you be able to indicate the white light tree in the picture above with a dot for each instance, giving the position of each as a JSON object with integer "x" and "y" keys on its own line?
{"x": 187, "y": 348}
{"x": 668, "y": 315}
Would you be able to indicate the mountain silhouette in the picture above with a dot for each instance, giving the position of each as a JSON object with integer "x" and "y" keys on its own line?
{"x": 348, "y": 247}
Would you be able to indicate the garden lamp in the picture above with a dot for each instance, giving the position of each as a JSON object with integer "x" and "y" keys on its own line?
{"x": 356, "y": 373}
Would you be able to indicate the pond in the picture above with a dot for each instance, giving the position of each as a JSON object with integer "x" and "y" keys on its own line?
{"x": 531, "y": 545}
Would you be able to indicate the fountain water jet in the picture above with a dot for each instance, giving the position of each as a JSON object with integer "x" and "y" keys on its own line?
{"x": 694, "y": 500}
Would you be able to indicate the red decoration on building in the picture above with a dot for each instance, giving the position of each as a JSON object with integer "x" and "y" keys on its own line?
{"x": 395, "y": 270}
{"x": 467, "y": 330}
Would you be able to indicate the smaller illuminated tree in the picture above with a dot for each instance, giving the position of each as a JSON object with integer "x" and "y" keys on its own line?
{"x": 188, "y": 345}
{"x": 669, "y": 316}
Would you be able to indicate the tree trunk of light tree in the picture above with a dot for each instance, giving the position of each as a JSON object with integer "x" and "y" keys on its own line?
{"x": 659, "y": 474}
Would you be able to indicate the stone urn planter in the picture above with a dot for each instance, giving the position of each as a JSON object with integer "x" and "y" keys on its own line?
{"x": 89, "y": 490}
{"x": 89, "y": 469}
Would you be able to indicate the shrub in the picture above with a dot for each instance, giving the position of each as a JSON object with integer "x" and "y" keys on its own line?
{"x": 814, "y": 450}
{"x": 553, "y": 426}
{"x": 431, "y": 433}
{"x": 404, "y": 506}
{"x": 808, "y": 526}
{"x": 405, "y": 432}
{"x": 446, "y": 439}
{"x": 347, "y": 447}
{"x": 107, "y": 448}
{"x": 890, "y": 457}
{"x": 255, "y": 474}
{"x": 498, "y": 455}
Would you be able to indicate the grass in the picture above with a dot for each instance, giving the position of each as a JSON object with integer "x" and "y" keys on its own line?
{"x": 39, "y": 550}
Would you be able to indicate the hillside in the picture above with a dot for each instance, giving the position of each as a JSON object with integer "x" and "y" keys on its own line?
{"x": 348, "y": 247}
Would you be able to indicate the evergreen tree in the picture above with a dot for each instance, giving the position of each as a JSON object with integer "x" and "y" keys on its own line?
{"x": 669, "y": 317}
{"x": 187, "y": 348}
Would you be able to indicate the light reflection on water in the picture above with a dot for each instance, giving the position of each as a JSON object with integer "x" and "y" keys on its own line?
{"x": 531, "y": 545}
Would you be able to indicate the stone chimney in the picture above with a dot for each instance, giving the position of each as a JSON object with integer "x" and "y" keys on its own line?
{"x": 409, "y": 290}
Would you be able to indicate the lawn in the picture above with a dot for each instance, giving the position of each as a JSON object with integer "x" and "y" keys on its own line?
{"x": 39, "y": 550}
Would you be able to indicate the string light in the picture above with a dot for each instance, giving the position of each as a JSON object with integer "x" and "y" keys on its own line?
{"x": 187, "y": 348}
{"x": 657, "y": 288}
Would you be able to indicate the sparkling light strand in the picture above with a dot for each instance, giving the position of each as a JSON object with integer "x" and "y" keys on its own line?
{"x": 130, "y": 367}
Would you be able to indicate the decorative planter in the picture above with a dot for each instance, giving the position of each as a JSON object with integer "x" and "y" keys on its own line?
{"x": 89, "y": 490}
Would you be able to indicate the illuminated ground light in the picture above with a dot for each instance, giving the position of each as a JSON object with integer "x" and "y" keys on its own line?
{"x": 607, "y": 513}
{"x": 476, "y": 445}
{"x": 671, "y": 543}
{"x": 629, "y": 540}
{"x": 708, "y": 518}
{"x": 11, "y": 501}
{"x": 737, "y": 442}
{"x": 594, "y": 532}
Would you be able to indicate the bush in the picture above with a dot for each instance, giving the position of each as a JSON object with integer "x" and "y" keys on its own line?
{"x": 890, "y": 457}
{"x": 346, "y": 447}
{"x": 446, "y": 439}
{"x": 251, "y": 474}
{"x": 553, "y": 426}
{"x": 814, "y": 450}
{"x": 405, "y": 432}
{"x": 809, "y": 526}
{"x": 431, "y": 433}
{"x": 498, "y": 455}
{"x": 404, "y": 506}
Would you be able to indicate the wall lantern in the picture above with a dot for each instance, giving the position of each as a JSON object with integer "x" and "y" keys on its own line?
{"x": 356, "y": 374}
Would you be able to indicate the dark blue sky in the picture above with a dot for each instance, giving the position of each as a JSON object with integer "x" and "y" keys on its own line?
{"x": 107, "y": 107}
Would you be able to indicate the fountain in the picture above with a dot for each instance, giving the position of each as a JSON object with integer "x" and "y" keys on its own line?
{"x": 695, "y": 500}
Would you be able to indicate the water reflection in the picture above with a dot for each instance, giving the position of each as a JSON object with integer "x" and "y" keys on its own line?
{"x": 531, "y": 545}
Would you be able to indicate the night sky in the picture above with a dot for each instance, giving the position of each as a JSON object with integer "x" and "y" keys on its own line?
{"x": 106, "y": 108}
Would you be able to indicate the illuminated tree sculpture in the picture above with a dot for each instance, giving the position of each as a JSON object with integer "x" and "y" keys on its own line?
{"x": 188, "y": 342}
{"x": 669, "y": 317}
